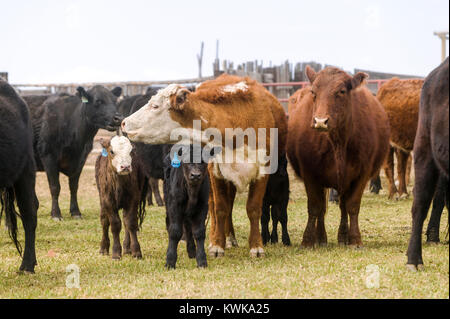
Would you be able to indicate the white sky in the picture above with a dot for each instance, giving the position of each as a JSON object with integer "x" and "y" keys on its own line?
{"x": 82, "y": 41}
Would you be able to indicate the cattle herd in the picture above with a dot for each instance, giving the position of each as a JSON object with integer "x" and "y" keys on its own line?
{"x": 336, "y": 135}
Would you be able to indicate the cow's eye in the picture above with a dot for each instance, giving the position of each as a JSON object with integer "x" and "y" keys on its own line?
{"x": 112, "y": 152}
{"x": 313, "y": 94}
{"x": 342, "y": 92}
{"x": 155, "y": 106}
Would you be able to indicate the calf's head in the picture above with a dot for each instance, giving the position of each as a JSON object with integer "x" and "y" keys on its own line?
{"x": 101, "y": 106}
{"x": 118, "y": 151}
{"x": 331, "y": 91}
{"x": 154, "y": 122}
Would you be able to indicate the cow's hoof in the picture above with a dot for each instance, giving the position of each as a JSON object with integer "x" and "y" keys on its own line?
{"x": 231, "y": 242}
{"x": 403, "y": 196}
{"x": 323, "y": 244}
{"x": 257, "y": 252}
{"x": 137, "y": 255}
{"x": 116, "y": 257}
{"x": 104, "y": 251}
{"x": 356, "y": 246}
{"x": 77, "y": 216}
{"x": 57, "y": 219}
{"x": 216, "y": 251}
{"x": 411, "y": 267}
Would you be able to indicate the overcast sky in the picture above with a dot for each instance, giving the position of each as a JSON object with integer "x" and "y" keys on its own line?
{"x": 83, "y": 41}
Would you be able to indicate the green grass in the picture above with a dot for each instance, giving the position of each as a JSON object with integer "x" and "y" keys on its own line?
{"x": 285, "y": 272}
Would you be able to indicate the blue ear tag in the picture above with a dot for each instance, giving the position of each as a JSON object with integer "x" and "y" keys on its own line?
{"x": 175, "y": 161}
{"x": 104, "y": 152}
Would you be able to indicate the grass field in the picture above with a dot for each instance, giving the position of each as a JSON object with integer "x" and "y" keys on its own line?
{"x": 285, "y": 272}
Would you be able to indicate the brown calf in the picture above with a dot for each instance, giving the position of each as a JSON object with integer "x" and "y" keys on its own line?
{"x": 121, "y": 185}
{"x": 400, "y": 99}
{"x": 338, "y": 138}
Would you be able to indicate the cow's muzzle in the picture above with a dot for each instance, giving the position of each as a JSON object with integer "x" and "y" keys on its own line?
{"x": 320, "y": 123}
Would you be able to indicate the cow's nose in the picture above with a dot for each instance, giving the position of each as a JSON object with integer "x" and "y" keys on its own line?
{"x": 195, "y": 176}
{"x": 125, "y": 168}
{"x": 117, "y": 118}
{"x": 321, "y": 123}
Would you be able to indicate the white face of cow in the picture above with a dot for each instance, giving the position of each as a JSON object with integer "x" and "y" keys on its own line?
{"x": 120, "y": 153}
{"x": 152, "y": 124}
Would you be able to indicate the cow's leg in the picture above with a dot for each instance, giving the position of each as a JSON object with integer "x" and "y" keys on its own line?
{"x": 408, "y": 169}
{"x": 149, "y": 194}
{"x": 284, "y": 220}
{"x": 126, "y": 245}
{"x": 28, "y": 206}
{"x": 198, "y": 231}
{"x": 155, "y": 189}
{"x": 212, "y": 217}
{"x": 131, "y": 228}
{"x": 275, "y": 213}
{"x": 51, "y": 168}
{"x": 175, "y": 233}
{"x": 316, "y": 207}
{"x": 254, "y": 211}
{"x": 436, "y": 212}
{"x": 320, "y": 228}
{"x": 389, "y": 171}
{"x": 343, "y": 226}
{"x": 265, "y": 218}
{"x": 229, "y": 228}
{"x": 352, "y": 206}
{"x": 375, "y": 184}
{"x": 402, "y": 159}
{"x": 221, "y": 211}
{"x": 190, "y": 243}
{"x": 116, "y": 226}
{"x": 73, "y": 185}
{"x": 104, "y": 244}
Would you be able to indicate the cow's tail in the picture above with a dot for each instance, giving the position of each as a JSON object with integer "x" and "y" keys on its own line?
{"x": 7, "y": 198}
{"x": 142, "y": 201}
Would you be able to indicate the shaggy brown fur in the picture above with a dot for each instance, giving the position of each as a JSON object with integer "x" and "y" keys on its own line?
{"x": 117, "y": 192}
{"x": 400, "y": 99}
{"x": 345, "y": 156}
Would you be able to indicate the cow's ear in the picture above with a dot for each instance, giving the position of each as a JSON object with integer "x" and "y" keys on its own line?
{"x": 104, "y": 143}
{"x": 83, "y": 95}
{"x": 180, "y": 99}
{"x": 117, "y": 91}
{"x": 358, "y": 79}
{"x": 311, "y": 74}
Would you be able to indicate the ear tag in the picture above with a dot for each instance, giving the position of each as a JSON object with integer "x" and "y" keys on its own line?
{"x": 175, "y": 161}
{"x": 84, "y": 99}
{"x": 104, "y": 152}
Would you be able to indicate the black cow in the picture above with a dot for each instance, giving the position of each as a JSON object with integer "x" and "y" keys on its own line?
{"x": 64, "y": 129}
{"x": 17, "y": 171}
{"x": 431, "y": 154}
{"x": 186, "y": 192}
{"x": 275, "y": 201}
{"x": 439, "y": 201}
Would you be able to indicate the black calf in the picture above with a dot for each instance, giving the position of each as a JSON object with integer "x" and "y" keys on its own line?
{"x": 186, "y": 193}
{"x": 276, "y": 201}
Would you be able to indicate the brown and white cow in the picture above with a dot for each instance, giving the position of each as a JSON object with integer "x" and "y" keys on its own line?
{"x": 226, "y": 104}
{"x": 338, "y": 138}
{"x": 400, "y": 99}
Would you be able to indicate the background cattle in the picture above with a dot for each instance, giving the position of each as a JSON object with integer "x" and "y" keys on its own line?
{"x": 186, "y": 191}
{"x": 17, "y": 172}
{"x": 338, "y": 137}
{"x": 400, "y": 99}
{"x": 431, "y": 154}
{"x": 121, "y": 185}
{"x": 64, "y": 128}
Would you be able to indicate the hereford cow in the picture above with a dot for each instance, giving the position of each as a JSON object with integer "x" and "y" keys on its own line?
{"x": 228, "y": 102}
{"x": 17, "y": 172}
{"x": 64, "y": 128}
{"x": 186, "y": 190}
{"x": 431, "y": 154}
{"x": 121, "y": 185}
{"x": 400, "y": 99}
{"x": 338, "y": 138}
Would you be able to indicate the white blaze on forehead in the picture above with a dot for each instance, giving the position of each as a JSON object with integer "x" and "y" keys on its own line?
{"x": 121, "y": 146}
{"x": 152, "y": 124}
{"x": 233, "y": 88}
